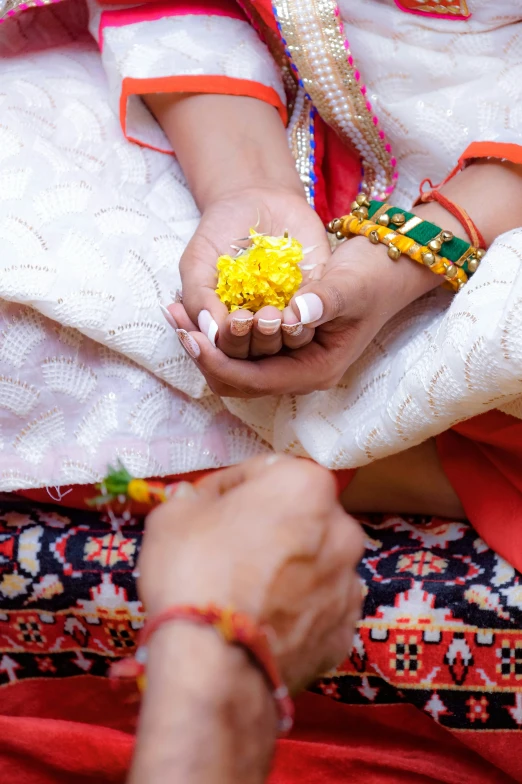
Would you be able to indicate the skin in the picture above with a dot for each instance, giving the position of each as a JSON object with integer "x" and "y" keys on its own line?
{"x": 301, "y": 553}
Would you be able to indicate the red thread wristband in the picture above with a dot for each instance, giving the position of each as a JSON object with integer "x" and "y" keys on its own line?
{"x": 235, "y": 628}
{"x": 475, "y": 236}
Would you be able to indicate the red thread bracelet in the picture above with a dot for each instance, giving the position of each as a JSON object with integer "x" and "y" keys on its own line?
{"x": 475, "y": 237}
{"x": 236, "y": 629}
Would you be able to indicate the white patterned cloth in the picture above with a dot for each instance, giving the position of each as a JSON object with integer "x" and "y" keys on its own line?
{"x": 178, "y": 46}
{"x": 92, "y": 229}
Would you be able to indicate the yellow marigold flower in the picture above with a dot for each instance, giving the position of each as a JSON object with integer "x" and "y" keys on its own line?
{"x": 267, "y": 273}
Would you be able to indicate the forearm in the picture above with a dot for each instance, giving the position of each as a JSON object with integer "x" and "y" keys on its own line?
{"x": 225, "y": 143}
{"x": 207, "y": 715}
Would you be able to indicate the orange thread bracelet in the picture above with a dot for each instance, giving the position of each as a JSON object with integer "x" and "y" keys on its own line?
{"x": 475, "y": 236}
{"x": 236, "y": 629}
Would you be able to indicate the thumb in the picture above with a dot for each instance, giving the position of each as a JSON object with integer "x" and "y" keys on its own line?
{"x": 332, "y": 297}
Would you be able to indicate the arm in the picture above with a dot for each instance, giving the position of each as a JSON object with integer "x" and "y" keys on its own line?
{"x": 207, "y": 716}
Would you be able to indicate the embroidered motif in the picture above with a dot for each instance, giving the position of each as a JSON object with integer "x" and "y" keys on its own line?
{"x": 313, "y": 35}
{"x": 424, "y": 640}
{"x": 454, "y": 9}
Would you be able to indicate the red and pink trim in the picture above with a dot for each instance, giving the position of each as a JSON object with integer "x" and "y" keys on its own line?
{"x": 455, "y": 9}
{"x": 222, "y": 85}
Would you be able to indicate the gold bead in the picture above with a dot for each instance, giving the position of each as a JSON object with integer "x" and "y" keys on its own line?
{"x": 373, "y": 236}
{"x": 447, "y": 236}
{"x": 361, "y": 213}
{"x": 435, "y": 245}
{"x": 399, "y": 219}
{"x": 339, "y": 235}
{"x": 473, "y": 265}
{"x": 480, "y": 253}
{"x": 461, "y": 285}
{"x": 384, "y": 220}
{"x": 334, "y": 225}
{"x": 354, "y": 205}
{"x": 428, "y": 259}
{"x": 394, "y": 253}
{"x": 362, "y": 200}
{"x": 452, "y": 272}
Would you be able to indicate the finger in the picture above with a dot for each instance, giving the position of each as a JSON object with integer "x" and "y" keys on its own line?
{"x": 199, "y": 279}
{"x": 299, "y": 372}
{"x": 177, "y": 317}
{"x": 234, "y": 335}
{"x": 294, "y": 333}
{"x": 218, "y": 483}
{"x": 266, "y": 335}
{"x": 339, "y": 293}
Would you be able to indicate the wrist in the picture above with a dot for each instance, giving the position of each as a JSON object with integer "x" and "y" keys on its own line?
{"x": 207, "y": 713}
{"x": 226, "y": 144}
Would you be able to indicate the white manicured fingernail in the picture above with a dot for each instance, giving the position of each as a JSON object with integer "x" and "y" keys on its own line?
{"x": 169, "y": 318}
{"x": 188, "y": 343}
{"x": 208, "y": 326}
{"x": 176, "y": 296}
{"x": 272, "y": 459}
{"x": 310, "y": 307}
{"x": 268, "y": 326}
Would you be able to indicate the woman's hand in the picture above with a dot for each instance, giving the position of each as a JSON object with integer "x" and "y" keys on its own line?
{"x": 224, "y": 222}
{"x": 270, "y": 539}
{"x": 348, "y": 301}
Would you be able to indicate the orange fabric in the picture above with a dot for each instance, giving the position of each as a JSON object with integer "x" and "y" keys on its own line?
{"x": 223, "y": 85}
{"x": 482, "y": 458}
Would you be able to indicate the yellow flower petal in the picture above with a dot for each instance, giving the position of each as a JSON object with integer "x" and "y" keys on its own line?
{"x": 267, "y": 273}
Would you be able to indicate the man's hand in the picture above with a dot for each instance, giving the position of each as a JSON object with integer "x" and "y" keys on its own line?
{"x": 271, "y": 540}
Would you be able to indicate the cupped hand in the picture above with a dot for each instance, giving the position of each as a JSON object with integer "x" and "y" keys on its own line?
{"x": 349, "y": 300}
{"x": 225, "y": 223}
{"x": 268, "y": 538}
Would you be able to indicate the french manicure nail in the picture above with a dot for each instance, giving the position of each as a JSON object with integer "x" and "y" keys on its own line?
{"x": 176, "y": 296}
{"x": 208, "y": 326}
{"x": 268, "y": 326}
{"x": 310, "y": 307}
{"x": 292, "y": 329}
{"x": 240, "y": 326}
{"x": 188, "y": 343}
{"x": 169, "y": 318}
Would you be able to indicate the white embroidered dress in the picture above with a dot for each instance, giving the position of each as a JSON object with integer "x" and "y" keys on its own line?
{"x": 92, "y": 227}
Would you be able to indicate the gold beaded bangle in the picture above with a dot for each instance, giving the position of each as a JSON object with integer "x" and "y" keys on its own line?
{"x": 398, "y": 245}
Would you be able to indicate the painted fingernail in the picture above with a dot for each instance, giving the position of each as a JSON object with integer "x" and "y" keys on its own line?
{"x": 310, "y": 307}
{"x": 176, "y": 296}
{"x": 292, "y": 329}
{"x": 188, "y": 343}
{"x": 268, "y": 326}
{"x": 208, "y": 326}
{"x": 241, "y": 326}
{"x": 169, "y": 318}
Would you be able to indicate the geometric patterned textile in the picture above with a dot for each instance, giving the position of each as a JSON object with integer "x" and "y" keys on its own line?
{"x": 442, "y": 624}
{"x": 442, "y": 627}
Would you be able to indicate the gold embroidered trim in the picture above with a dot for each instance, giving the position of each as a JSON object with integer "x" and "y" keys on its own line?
{"x": 8, "y": 6}
{"x": 300, "y": 142}
{"x": 316, "y": 44}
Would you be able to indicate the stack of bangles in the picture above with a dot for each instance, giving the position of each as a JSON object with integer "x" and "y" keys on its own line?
{"x": 407, "y": 234}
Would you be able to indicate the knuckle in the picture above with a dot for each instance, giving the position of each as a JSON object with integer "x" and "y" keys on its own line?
{"x": 336, "y": 299}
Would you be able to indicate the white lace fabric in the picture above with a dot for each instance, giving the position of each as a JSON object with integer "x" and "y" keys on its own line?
{"x": 92, "y": 229}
